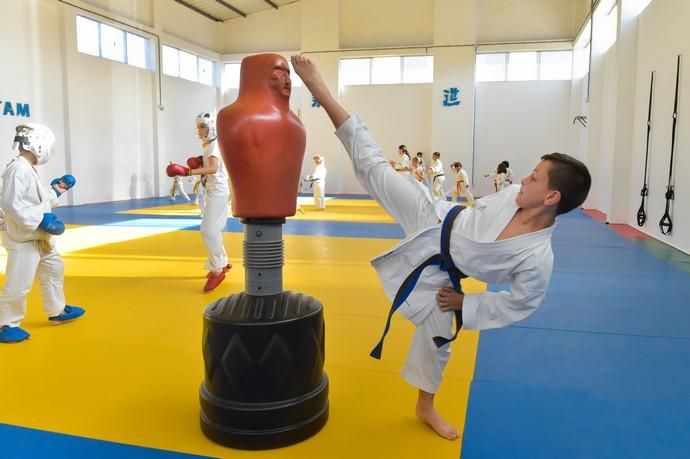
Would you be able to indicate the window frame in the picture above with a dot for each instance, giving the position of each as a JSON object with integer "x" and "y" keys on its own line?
{"x": 126, "y": 33}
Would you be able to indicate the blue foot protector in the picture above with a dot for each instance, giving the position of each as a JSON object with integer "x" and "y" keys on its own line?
{"x": 12, "y": 334}
{"x": 70, "y": 313}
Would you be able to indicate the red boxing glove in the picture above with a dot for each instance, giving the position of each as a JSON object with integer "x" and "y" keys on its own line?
{"x": 195, "y": 162}
{"x": 176, "y": 170}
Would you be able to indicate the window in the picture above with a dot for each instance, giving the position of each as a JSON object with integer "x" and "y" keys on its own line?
{"x": 136, "y": 50}
{"x": 171, "y": 61}
{"x": 491, "y": 67}
{"x": 525, "y": 66}
{"x": 555, "y": 65}
{"x": 355, "y": 71}
{"x": 387, "y": 70}
{"x": 231, "y": 76}
{"x": 605, "y": 28}
{"x": 87, "y": 36}
{"x": 581, "y": 62}
{"x": 186, "y": 65}
{"x": 522, "y": 66}
{"x": 418, "y": 69}
{"x": 112, "y": 43}
{"x": 639, "y": 6}
{"x": 205, "y": 71}
{"x": 103, "y": 40}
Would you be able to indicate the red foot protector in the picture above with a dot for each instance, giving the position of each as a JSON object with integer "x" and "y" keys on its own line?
{"x": 262, "y": 141}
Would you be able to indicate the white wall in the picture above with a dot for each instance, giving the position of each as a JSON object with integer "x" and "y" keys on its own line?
{"x": 657, "y": 51}
{"x": 525, "y": 20}
{"x": 33, "y": 78}
{"x": 266, "y": 31}
{"x": 104, "y": 114}
{"x": 367, "y": 24}
{"x": 518, "y": 121}
{"x": 411, "y": 107}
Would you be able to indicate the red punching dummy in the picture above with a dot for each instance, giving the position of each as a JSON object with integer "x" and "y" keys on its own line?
{"x": 262, "y": 141}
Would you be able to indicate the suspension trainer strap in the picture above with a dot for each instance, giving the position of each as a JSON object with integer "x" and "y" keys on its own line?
{"x": 642, "y": 211}
{"x": 666, "y": 224}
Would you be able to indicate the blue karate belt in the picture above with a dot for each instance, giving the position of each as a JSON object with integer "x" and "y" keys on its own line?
{"x": 445, "y": 263}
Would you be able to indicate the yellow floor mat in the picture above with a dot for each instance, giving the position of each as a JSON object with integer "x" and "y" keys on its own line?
{"x": 341, "y": 210}
{"x": 130, "y": 370}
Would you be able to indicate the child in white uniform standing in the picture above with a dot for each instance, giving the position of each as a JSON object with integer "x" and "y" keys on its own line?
{"x": 28, "y": 230}
{"x": 318, "y": 179}
{"x": 215, "y": 212}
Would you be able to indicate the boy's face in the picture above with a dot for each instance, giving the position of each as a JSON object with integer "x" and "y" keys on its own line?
{"x": 201, "y": 131}
{"x": 535, "y": 191}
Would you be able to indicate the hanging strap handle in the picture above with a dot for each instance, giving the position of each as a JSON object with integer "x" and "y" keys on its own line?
{"x": 641, "y": 212}
{"x": 666, "y": 223}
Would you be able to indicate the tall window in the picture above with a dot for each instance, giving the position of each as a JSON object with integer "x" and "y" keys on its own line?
{"x": 387, "y": 70}
{"x": 103, "y": 40}
{"x": 186, "y": 65}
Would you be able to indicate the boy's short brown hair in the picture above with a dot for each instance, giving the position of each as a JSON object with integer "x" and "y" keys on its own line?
{"x": 571, "y": 178}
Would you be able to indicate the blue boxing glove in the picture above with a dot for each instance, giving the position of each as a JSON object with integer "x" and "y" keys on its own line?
{"x": 51, "y": 224}
{"x": 64, "y": 183}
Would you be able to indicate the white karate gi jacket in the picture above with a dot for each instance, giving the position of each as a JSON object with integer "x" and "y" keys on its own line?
{"x": 524, "y": 262}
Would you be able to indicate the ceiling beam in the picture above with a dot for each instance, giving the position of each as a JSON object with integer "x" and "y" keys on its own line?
{"x": 194, "y": 8}
{"x": 230, "y": 7}
{"x": 271, "y": 3}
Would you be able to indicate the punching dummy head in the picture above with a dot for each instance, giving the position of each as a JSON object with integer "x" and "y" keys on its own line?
{"x": 258, "y": 131}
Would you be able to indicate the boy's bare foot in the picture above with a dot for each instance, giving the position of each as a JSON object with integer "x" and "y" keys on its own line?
{"x": 427, "y": 413}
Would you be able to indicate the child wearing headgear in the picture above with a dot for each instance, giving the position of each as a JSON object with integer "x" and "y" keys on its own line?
{"x": 28, "y": 228}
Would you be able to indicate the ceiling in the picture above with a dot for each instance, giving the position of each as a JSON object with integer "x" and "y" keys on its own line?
{"x": 223, "y": 10}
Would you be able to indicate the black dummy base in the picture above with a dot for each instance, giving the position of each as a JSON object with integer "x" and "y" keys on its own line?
{"x": 264, "y": 383}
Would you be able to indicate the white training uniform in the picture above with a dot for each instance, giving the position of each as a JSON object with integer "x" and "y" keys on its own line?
{"x": 319, "y": 185}
{"x": 404, "y": 162}
{"x": 215, "y": 210}
{"x": 461, "y": 177}
{"x": 525, "y": 262}
{"x": 437, "y": 179}
{"x": 178, "y": 187}
{"x": 509, "y": 176}
{"x": 30, "y": 250}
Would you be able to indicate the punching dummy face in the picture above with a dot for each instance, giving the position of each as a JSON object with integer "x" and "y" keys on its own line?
{"x": 262, "y": 142}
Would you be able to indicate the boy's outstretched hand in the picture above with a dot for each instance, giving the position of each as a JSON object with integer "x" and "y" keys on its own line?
{"x": 448, "y": 299}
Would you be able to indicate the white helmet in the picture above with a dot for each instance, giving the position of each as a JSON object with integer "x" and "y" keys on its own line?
{"x": 35, "y": 138}
{"x": 207, "y": 119}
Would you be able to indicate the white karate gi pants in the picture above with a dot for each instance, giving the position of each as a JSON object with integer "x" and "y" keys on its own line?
{"x": 319, "y": 194}
{"x": 409, "y": 205}
{"x": 212, "y": 225}
{"x": 24, "y": 261}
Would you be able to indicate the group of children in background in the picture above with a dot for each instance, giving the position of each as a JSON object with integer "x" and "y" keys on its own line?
{"x": 432, "y": 177}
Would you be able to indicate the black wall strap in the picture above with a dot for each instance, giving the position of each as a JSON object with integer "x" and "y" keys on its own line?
{"x": 666, "y": 223}
{"x": 642, "y": 211}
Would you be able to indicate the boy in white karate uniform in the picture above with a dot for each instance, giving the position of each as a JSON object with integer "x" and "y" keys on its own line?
{"x": 28, "y": 229}
{"x": 504, "y": 238}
